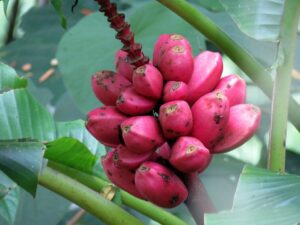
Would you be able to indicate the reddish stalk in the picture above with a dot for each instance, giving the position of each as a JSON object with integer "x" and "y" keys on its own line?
{"x": 117, "y": 21}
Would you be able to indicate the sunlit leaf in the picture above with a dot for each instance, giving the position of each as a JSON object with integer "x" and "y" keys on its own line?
{"x": 71, "y": 152}
{"x": 21, "y": 116}
{"x": 22, "y": 162}
{"x": 9, "y": 79}
{"x": 9, "y": 205}
{"x": 57, "y": 4}
{"x": 259, "y": 19}
{"x": 262, "y": 198}
{"x": 212, "y": 5}
{"x": 6, "y": 185}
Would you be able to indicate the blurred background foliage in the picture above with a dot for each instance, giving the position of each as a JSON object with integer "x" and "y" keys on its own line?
{"x": 35, "y": 45}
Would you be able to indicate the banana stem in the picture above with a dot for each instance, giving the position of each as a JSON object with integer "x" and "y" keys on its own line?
{"x": 281, "y": 91}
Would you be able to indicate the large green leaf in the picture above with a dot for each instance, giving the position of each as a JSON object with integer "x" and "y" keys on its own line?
{"x": 220, "y": 180}
{"x": 37, "y": 46}
{"x": 76, "y": 129}
{"x": 57, "y": 4}
{"x": 22, "y": 162}
{"x": 259, "y": 19}
{"x": 6, "y": 185}
{"x": 288, "y": 215}
{"x": 260, "y": 188}
{"x": 250, "y": 152}
{"x": 72, "y": 153}
{"x": 47, "y": 208}
{"x": 262, "y": 197}
{"x": 9, "y": 79}
{"x": 9, "y": 205}
{"x": 90, "y": 46}
{"x": 212, "y": 5}
{"x": 87, "y": 47}
{"x": 5, "y": 5}
{"x": 21, "y": 116}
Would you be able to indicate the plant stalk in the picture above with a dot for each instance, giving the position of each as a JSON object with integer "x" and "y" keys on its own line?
{"x": 12, "y": 22}
{"x": 86, "y": 198}
{"x": 117, "y": 21}
{"x": 198, "y": 201}
{"x": 154, "y": 212}
{"x": 281, "y": 91}
{"x": 239, "y": 55}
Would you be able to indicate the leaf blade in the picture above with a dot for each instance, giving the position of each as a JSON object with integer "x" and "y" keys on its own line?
{"x": 259, "y": 19}
{"x": 22, "y": 162}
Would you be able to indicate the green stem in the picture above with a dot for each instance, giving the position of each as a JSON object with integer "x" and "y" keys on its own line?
{"x": 97, "y": 184}
{"x": 238, "y": 54}
{"x": 86, "y": 198}
{"x": 285, "y": 59}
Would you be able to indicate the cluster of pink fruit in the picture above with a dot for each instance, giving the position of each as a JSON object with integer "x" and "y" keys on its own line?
{"x": 165, "y": 119}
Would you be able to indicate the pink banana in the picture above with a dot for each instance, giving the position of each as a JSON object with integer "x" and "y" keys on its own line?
{"x": 234, "y": 88}
{"x": 148, "y": 81}
{"x": 107, "y": 85}
{"x": 175, "y": 90}
{"x": 177, "y": 64}
{"x": 104, "y": 123}
{"x": 208, "y": 67}
{"x": 175, "y": 118}
{"x": 142, "y": 134}
{"x": 189, "y": 155}
{"x": 210, "y": 115}
{"x": 123, "y": 67}
{"x": 122, "y": 177}
{"x": 160, "y": 185}
{"x": 244, "y": 120}
{"x": 132, "y": 103}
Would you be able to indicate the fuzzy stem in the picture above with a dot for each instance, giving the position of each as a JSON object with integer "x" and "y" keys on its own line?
{"x": 281, "y": 91}
{"x": 238, "y": 54}
{"x": 117, "y": 21}
{"x": 154, "y": 212}
{"x": 86, "y": 198}
{"x": 198, "y": 201}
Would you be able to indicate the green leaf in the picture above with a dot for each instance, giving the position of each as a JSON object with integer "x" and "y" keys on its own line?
{"x": 23, "y": 117}
{"x": 65, "y": 109}
{"x": 38, "y": 46}
{"x": 293, "y": 138}
{"x": 6, "y": 185}
{"x": 5, "y": 5}
{"x": 259, "y": 19}
{"x": 9, "y": 205}
{"x": 58, "y": 7}
{"x": 250, "y": 152}
{"x": 71, "y": 152}
{"x": 288, "y": 215}
{"x": 87, "y": 47}
{"x": 220, "y": 180}
{"x": 9, "y": 79}
{"x": 22, "y": 162}
{"x": 90, "y": 46}
{"x": 46, "y": 208}
{"x": 76, "y": 129}
{"x": 212, "y": 5}
{"x": 262, "y": 197}
{"x": 260, "y": 188}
